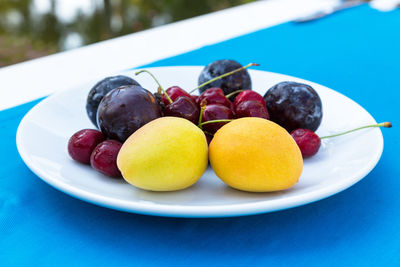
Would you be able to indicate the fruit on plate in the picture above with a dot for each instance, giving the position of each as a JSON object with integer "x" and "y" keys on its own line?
{"x": 215, "y": 116}
{"x": 215, "y": 95}
{"x": 173, "y": 92}
{"x": 309, "y": 142}
{"x": 248, "y": 95}
{"x": 237, "y": 81}
{"x": 82, "y": 143}
{"x": 102, "y": 88}
{"x": 294, "y": 105}
{"x": 124, "y": 110}
{"x": 183, "y": 107}
{"x": 166, "y": 154}
{"x": 104, "y": 158}
{"x": 251, "y": 108}
{"x": 256, "y": 155}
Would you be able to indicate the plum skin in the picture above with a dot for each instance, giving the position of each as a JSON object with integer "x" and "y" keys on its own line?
{"x": 237, "y": 81}
{"x": 100, "y": 89}
{"x": 124, "y": 110}
{"x": 294, "y": 105}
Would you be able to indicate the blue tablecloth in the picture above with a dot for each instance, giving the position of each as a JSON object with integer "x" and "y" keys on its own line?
{"x": 355, "y": 52}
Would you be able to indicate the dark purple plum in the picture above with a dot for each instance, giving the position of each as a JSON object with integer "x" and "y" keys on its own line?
{"x": 237, "y": 81}
{"x": 294, "y": 105}
{"x": 124, "y": 110}
{"x": 101, "y": 88}
{"x": 158, "y": 96}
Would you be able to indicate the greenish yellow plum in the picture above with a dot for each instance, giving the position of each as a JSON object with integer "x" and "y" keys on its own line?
{"x": 166, "y": 154}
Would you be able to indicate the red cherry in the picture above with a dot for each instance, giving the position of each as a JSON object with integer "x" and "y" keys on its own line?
{"x": 215, "y": 112}
{"x": 82, "y": 143}
{"x": 215, "y": 95}
{"x": 251, "y": 108}
{"x": 248, "y": 95}
{"x": 104, "y": 158}
{"x": 195, "y": 99}
{"x": 183, "y": 107}
{"x": 308, "y": 141}
{"x": 210, "y": 93}
{"x": 174, "y": 92}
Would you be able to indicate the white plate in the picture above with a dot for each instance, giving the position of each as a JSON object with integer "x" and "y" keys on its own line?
{"x": 44, "y": 132}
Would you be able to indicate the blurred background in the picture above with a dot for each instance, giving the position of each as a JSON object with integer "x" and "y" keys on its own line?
{"x": 35, "y": 28}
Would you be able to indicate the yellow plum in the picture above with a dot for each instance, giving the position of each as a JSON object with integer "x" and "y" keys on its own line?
{"x": 256, "y": 155}
{"x": 166, "y": 154}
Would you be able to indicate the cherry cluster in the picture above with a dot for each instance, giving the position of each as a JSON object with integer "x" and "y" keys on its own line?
{"x": 89, "y": 146}
{"x": 211, "y": 109}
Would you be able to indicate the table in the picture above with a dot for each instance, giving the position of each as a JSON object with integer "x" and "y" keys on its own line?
{"x": 354, "y": 52}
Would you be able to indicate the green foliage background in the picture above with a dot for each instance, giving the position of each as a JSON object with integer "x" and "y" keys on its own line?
{"x": 24, "y": 34}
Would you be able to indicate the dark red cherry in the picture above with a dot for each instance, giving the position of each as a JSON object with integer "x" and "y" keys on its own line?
{"x": 195, "y": 99}
{"x": 248, "y": 95}
{"x": 209, "y": 137}
{"x": 212, "y": 90}
{"x": 251, "y": 108}
{"x": 82, "y": 143}
{"x": 215, "y": 112}
{"x": 174, "y": 92}
{"x": 183, "y": 107}
{"x": 104, "y": 158}
{"x": 215, "y": 96}
{"x": 210, "y": 93}
{"x": 308, "y": 142}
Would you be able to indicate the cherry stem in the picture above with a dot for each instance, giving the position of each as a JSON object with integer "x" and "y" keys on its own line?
{"x": 208, "y": 133}
{"x": 202, "y": 108}
{"x": 214, "y": 121}
{"x": 234, "y": 93}
{"x": 383, "y": 124}
{"x": 159, "y": 85}
{"x": 224, "y": 75}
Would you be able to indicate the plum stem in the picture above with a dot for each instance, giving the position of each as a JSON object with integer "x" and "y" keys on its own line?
{"x": 224, "y": 75}
{"x": 215, "y": 121}
{"x": 159, "y": 85}
{"x": 383, "y": 124}
{"x": 234, "y": 93}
